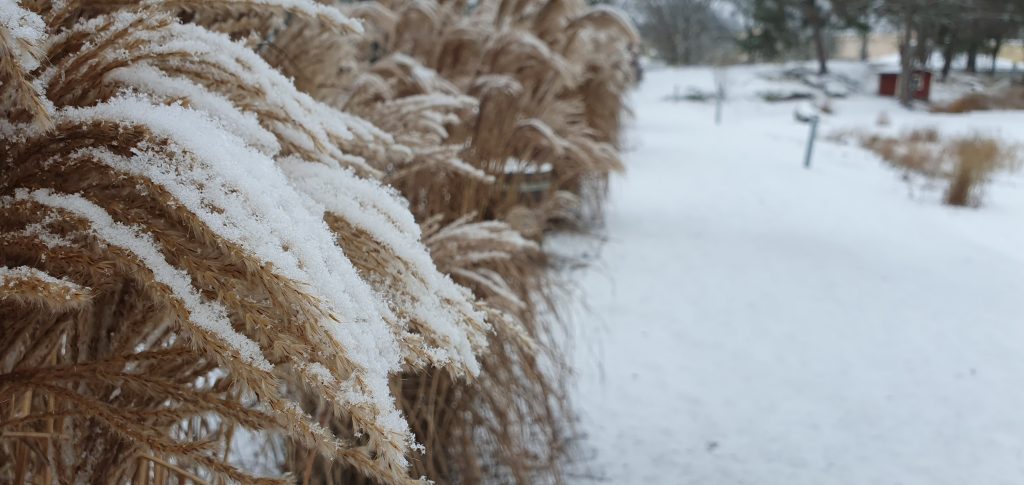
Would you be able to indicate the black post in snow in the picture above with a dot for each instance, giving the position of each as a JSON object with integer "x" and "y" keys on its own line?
{"x": 810, "y": 141}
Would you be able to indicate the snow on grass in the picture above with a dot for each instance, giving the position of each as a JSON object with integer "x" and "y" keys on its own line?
{"x": 331, "y": 15}
{"x": 176, "y": 88}
{"x": 10, "y": 277}
{"x": 294, "y": 117}
{"x": 25, "y": 284}
{"x": 437, "y": 300}
{"x": 210, "y": 316}
{"x": 27, "y": 30}
{"x": 244, "y": 197}
{"x": 759, "y": 323}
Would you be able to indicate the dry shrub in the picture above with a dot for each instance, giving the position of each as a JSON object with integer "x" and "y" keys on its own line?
{"x": 531, "y": 97}
{"x": 198, "y": 256}
{"x": 977, "y": 158}
{"x": 915, "y": 151}
{"x": 966, "y": 162}
{"x": 1011, "y": 98}
{"x": 921, "y": 135}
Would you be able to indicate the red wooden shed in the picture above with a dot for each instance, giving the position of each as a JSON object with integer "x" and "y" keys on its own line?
{"x": 920, "y": 83}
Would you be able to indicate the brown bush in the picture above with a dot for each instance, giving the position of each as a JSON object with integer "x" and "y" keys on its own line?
{"x": 913, "y": 151}
{"x": 976, "y": 158}
{"x": 967, "y": 163}
{"x": 1007, "y": 99}
{"x": 922, "y": 135}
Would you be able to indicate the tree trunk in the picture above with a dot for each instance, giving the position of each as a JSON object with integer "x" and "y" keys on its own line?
{"x": 671, "y": 54}
{"x": 948, "y": 37}
{"x": 921, "y": 51}
{"x": 972, "y": 57}
{"x": 686, "y": 31}
{"x": 947, "y": 60}
{"x": 865, "y": 37}
{"x": 906, "y": 62}
{"x": 995, "y": 53}
{"x": 814, "y": 18}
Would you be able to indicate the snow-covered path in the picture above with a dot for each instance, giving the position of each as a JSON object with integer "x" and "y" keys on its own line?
{"x": 752, "y": 322}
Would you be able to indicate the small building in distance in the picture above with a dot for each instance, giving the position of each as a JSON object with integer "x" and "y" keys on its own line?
{"x": 920, "y": 84}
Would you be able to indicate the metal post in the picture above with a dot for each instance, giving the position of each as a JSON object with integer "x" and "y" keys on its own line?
{"x": 810, "y": 141}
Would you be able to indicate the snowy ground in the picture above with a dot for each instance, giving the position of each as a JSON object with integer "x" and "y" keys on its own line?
{"x": 752, "y": 322}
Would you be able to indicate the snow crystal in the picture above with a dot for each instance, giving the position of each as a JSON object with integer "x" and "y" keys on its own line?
{"x": 318, "y": 371}
{"x": 39, "y": 231}
{"x": 10, "y": 276}
{"x": 27, "y": 28}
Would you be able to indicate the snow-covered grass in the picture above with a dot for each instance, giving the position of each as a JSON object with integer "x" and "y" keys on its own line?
{"x": 212, "y": 257}
{"x": 752, "y": 322}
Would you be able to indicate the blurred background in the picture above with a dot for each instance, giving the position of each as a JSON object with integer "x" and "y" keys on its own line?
{"x": 812, "y": 270}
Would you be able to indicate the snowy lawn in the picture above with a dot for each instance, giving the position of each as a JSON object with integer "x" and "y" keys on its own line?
{"x": 752, "y": 322}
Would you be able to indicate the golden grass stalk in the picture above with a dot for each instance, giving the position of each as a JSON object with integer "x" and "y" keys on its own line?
{"x": 20, "y": 36}
{"x": 196, "y": 248}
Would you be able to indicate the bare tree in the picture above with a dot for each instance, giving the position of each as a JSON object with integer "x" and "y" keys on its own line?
{"x": 684, "y": 31}
{"x": 814, "y": 18}
{"x": 857, "y": 15}
{"x": 778, "y": 27}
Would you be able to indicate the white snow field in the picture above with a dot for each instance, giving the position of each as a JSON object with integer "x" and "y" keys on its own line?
{"x": 748, "y": 321}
